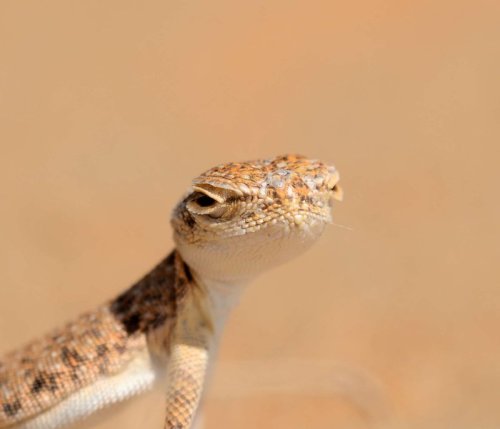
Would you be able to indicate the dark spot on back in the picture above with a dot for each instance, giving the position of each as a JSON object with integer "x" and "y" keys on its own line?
{"x": 153, "y": 299}
{"x": 52, "y": 382}
{"x": 123, "y": 302}
{"x": 13, "y": 408}
{"x": 70, "y": 357}
{"x": 101, "y": 350}
{"x": 131, "y": 323}
{"x": 38, "y": 384}
{"x": 44, "y": 381}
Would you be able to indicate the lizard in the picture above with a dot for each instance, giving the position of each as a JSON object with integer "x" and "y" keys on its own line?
{"x": 237, "y": 220}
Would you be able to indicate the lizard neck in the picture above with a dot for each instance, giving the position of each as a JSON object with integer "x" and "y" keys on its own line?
{"x": 221, "y": 298}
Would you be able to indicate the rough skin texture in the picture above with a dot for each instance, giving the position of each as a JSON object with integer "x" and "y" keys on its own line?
{"x": 286, "y": 189}
{"x": 237, "y": 220}
{"x": 52, "y": 368}
{"x": 98, "y": 343}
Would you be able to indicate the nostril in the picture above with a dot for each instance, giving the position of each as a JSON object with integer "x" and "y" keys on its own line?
{"x": 333, "y": 178}
{"x": 337, "y": 192}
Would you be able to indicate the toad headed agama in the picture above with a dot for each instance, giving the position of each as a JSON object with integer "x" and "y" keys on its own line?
{"x": 237, "y": 220}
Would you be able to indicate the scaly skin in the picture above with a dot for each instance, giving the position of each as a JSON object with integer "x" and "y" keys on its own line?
{"x": 237, "y": 220}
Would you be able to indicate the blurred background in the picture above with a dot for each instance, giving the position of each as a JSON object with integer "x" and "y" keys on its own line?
{"x": 109, "y": 108}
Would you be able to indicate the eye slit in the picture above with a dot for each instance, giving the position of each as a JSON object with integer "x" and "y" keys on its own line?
{"x": 205, "y": 201}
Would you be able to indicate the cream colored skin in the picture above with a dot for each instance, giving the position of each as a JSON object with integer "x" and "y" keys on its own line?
{"x": 236, "y": 221}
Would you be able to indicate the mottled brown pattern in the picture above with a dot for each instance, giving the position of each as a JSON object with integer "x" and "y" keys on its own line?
{"x": 98, "y": 343}
{"x": 48, "y": 370}
{"x": 154, "y": 300}
{"x": 289, "y": 189}
{"x": 283, "y": 177}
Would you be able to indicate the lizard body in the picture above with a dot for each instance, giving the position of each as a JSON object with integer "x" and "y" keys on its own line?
{"x": 237, "y": 220}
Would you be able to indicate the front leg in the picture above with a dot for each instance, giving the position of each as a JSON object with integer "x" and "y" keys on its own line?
{"x": 186, "y": 375}
{"x": 189, "y": 359}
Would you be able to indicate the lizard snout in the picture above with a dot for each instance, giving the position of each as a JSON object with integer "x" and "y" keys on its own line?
{"x": 337, "y": 192}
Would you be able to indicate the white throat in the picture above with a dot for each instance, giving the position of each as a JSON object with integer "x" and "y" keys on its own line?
{"x": 222, "y": 298}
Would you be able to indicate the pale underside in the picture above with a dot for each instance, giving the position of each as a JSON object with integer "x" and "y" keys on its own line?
{"x": 138, "y": 377}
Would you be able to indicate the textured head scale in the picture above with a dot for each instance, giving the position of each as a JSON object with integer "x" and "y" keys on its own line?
{"x": 240, "y": 218}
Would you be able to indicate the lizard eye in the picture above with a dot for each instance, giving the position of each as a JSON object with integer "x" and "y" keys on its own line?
{"x": 211, "y": 202}
{"x": 200, "y": 203}
{"x": 204, "y": 201}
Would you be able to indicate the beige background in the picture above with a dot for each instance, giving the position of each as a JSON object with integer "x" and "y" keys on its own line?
{"x": 108, "y": 108}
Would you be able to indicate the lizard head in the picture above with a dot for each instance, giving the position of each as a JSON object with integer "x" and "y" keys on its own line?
{"x": 241, "y": 218}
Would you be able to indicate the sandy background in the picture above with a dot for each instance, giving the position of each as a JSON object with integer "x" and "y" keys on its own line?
{"x": 109, "y": 108}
